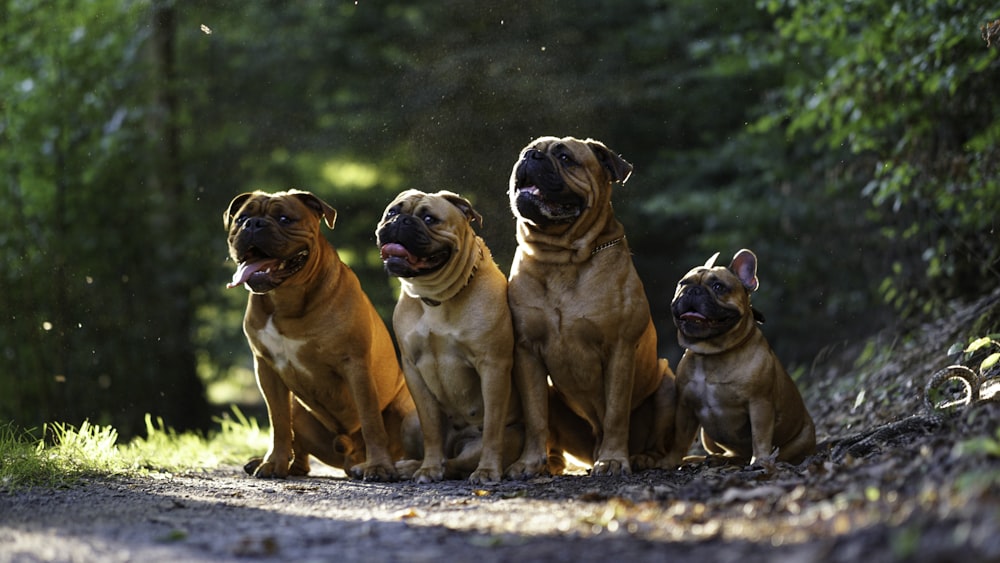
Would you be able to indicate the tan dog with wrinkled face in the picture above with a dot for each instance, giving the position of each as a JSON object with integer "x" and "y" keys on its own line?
{"x": 581, "y": 317}
{"x": 455, "y": 335}
{"x": 323, "y": 358}
{"x": 729, "y": 380}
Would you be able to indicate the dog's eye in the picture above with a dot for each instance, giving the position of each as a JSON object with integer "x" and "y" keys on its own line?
{"x": 285, "y": 220}
{"x": 719, "y": 287}
{"x": 391, "y": 213}
{"x": 242, "y": 219}
{"x": 430, "y": 219}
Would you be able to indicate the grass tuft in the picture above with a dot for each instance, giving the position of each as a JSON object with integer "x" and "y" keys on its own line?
{"x": 84, "y": 450}
{"x": 64, "y": 454}
{"x": 23, "y": 463}
{"x": 163, "y": 449}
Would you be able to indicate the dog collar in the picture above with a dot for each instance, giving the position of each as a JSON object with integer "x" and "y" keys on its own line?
{"x": 607, "y": 245}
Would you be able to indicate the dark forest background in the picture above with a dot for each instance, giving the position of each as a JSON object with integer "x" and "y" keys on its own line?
{"x": 852, "y": 145}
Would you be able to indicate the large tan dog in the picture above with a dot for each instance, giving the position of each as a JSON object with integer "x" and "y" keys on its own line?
{"x": 581, "y": 317}
{"x": 454, "y": 330}
{"x": 729, "y": 380}
{"x": 324, "y": 360}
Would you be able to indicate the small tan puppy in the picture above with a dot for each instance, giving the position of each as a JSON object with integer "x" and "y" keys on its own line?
{"x": 455, "y": 335}
{"x": 581, "y": 317}
{"x": 323, "y": 358}
{"x": 729, "y": 381}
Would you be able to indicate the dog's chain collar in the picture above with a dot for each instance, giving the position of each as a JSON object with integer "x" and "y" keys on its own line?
{"x": 434, "y": 302}
{"x": 607, "y": 245}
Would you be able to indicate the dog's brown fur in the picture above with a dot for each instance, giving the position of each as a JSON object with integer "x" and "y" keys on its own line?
{"x": 730, "y": 381}
{"x": 581, "y": 317}
{"x": 455, "y": 335}
{"x": 324, "y": 360}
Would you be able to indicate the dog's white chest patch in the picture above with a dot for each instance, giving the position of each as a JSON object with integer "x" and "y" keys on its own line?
{"x": 284, "y": 351}
{"x": 708, "y": 399}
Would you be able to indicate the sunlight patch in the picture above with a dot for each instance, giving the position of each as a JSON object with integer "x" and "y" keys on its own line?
{"x": 347, "y": 174}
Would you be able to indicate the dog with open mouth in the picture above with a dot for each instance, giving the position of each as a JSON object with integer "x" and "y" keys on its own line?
{"x": 323, "y": 358}
{"x": 581, "y": 318}
{"x": 455, "y": 336}
{"x": 729, "y": 381}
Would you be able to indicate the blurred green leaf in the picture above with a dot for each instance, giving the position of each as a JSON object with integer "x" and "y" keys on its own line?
{"x": 989, "y": 362}
{"x": 978, "y": 344}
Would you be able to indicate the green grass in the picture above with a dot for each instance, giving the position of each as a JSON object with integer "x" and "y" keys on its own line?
{"x": 64, "y": 454}
{"x": 23, "y": 462}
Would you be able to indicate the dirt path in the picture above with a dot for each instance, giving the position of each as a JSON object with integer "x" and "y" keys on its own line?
{"x": 911, "y": 497}
{"x": 890, "y": 483}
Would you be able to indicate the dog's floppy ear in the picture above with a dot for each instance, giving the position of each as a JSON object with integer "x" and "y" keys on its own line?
{"x": 234, "y": 206}
{"x": 463, "y": 205}
{"x": 617, "y": 166}
{"x": 318, "y": 205}
{"x": 744, "y": 265}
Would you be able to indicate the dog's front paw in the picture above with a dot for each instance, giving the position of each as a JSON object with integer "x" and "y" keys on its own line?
{"x": 670, "y": 461}
{"x": 299, "y": 467}
{"x": 556, "y": 462}
{"x": 524, "y": 469}
{"x": 484, "y": 475}
{"x": 429, "y": 474}
{"x": 252, "y": 465}
{"x": 266, "y": 469}
{"x": 611, "y": 468}
{"x": 376, "y": 472}
{"x": 644, "y": 461}
{"x": 767, "y": 463}
{"x": 406, "y": 468}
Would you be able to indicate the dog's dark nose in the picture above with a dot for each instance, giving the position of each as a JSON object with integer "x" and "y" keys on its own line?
{"x": 696, "y": 291}
{"x": 255, "y": 224}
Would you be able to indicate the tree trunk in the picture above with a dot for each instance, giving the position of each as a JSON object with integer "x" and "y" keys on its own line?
{"x": 181, "y": 394}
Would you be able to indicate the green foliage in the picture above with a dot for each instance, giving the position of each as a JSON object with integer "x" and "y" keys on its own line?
{"x": 95, "y": 291}
{"x": 978, "y": 349}
{"x": 905, "y": 89}
{"x": 981, "y": 482}
{"x": 851, "y": 145}
{"x": 729, "y": 184}
{"x": 984, "y": 445}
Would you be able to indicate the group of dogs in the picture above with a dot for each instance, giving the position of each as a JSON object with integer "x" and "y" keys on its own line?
{"x": 500, "y": 377}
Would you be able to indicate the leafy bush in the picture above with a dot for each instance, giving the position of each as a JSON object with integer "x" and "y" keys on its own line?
{"x": 905, "y": 89}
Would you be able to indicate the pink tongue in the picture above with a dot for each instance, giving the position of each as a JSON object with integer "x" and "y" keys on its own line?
{"x": 691, "y": 315}
{"x": 396, "y": 250}
{"x": 247, "y": 269}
